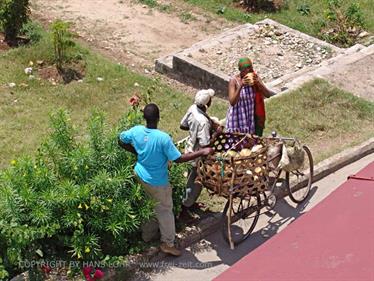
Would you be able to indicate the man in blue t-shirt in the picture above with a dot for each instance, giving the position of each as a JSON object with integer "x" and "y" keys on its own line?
{"x": 154, "y": 149}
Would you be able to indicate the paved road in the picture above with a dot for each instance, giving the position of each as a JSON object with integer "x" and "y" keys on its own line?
{"x": 331, "y": 242}
{"x": 207, "y": 259}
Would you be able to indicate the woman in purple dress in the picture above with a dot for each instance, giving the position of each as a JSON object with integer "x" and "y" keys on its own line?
{"x": 246, "y": 113}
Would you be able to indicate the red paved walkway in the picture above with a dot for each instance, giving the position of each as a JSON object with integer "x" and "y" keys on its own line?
{"x": 332, "y": 242}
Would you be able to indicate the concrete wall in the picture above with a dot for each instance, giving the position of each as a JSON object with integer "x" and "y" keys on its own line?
{"x": 199, "y": 75}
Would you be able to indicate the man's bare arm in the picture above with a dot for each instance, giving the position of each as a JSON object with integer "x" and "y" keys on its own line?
{"x": 193, "y": 155}
{"x": 127, "y": 147}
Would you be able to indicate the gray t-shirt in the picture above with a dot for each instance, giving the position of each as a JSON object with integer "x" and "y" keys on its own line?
{"x": 199, "y": 126}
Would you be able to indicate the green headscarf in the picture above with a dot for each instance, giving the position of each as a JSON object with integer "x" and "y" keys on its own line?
{"x": 244, "y": 63}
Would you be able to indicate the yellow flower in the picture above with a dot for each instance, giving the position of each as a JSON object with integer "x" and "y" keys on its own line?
{"x": 110, "y": 200}
{"x": 80, "y": 206}
{"x": 13, "y": 162}
{"x": 85, "y": 205}
{"x": 87, "y": 250}
{"x": 79, "y": 256}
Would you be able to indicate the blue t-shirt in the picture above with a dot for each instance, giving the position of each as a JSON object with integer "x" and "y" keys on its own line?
{"x": 155, "y": 148}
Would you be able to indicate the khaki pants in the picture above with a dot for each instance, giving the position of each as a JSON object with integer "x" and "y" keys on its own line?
{"x": 162, "y": 195}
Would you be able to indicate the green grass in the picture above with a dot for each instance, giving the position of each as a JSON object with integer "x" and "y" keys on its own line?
{"x": 310, "y": 24}
{"x": 165, "y": 8}
{"x": 149, "y": 3}
{"x": 186, "y": 17}
{"x": 322, "y": 116}
{"x": 319, "y": 114}
{"x": 24, "y": 112}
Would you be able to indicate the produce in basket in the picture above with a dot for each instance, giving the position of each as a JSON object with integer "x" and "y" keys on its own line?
{"x": 245, "y": 152}
{"x": 232, "y": 153}
{"x": 256, "y": 148}
{"x": 258, "y": 170}
{"x": 240, "y": 161}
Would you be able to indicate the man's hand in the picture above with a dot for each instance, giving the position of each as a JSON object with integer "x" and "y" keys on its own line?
{"x": 219, "y": 130}
{"x": 193, "y": 155}
{"x": 206, "y": 151}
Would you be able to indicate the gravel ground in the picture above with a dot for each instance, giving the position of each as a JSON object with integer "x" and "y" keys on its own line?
{"x": 274, "y": 53}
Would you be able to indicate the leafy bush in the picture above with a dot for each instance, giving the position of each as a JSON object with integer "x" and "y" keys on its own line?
{"x": 355, "y": 15}
{"x": 62, "y": 41}
{"x": 304, "y": 9}
{"x": 77, "y": 199}
{"x": 344, "y": 24}
{"x": 264, "y": 5}
{"x": 13, "y": 15}
{"x": 221, "y": 9}
{"x": 33, "y": 31}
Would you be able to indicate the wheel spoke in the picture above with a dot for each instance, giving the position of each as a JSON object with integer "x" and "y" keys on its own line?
{"x": 243, "y": 219}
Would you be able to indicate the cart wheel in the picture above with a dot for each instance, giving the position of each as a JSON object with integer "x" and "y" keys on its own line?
{"x": 244, "y": 216}
{"x": 301, "y": 179}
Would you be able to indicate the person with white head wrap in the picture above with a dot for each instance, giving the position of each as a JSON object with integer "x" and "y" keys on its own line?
{"x": 199, "y": 126}
{"x": 203, "y": 97}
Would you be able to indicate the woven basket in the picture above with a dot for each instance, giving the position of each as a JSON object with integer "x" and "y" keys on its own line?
{"x": 223, "y": 174}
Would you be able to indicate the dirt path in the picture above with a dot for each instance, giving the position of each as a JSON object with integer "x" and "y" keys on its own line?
{"x": 133, "y": 33}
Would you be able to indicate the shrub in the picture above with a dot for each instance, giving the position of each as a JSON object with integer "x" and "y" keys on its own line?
{"x": 343, "y": 24}
{"x": 33, "y": 31}
{"x": 355, "y": 15}
{"x": 13, "y": 15}
{"x": 304, "y": 9}
{"x": 264, "y": 5}
{"x": 75, "y": 199}
{"x": 62, "y": 41}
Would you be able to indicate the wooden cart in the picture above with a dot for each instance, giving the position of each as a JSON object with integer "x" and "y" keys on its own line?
{"x": 248, "y": 180}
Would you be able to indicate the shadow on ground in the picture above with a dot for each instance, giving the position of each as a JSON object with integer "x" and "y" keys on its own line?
{"x": 271, "y": 222}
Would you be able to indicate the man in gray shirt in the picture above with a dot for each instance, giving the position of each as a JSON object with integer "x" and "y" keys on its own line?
{"x": 200, "y": 126}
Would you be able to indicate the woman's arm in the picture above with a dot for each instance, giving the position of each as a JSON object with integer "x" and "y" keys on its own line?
{"x": 234, "y": 91}
{"x": 260, "y": 87}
